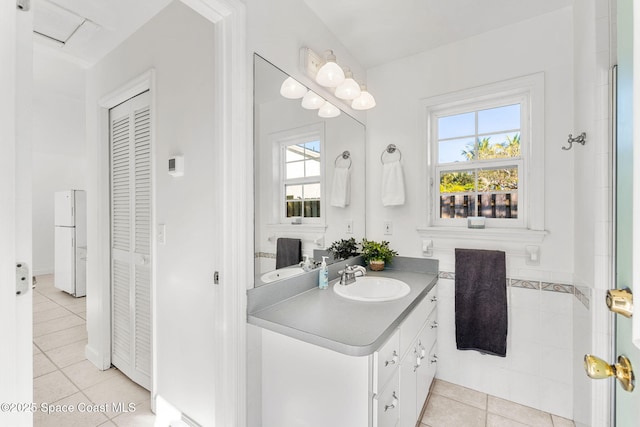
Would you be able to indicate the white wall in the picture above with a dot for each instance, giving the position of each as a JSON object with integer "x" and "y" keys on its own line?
{"x": 59, "y": 149}
{"x": 179, "y": 45}
{"x": 593, "y": 214}
{"x": 542, "y": 44}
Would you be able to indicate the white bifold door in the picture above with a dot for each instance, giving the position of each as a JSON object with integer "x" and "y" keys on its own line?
{"x": 130, "y": 136}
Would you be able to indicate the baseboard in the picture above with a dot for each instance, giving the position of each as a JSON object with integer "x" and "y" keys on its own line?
{"x": 42, "y": 271}
{"x": 94, "y": 357}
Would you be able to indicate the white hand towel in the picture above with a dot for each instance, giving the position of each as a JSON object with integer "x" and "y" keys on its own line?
{"x": 341, "y": 189}
{"x": 392, "y": 184}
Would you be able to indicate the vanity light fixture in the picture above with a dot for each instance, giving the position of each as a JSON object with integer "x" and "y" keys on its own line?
{"x": 312, "y": 101}
{"x": 328, "y": 110}
{"x": 349, "y": 89}
{"x": 365, "y": 101}
{"x": 292, "y": 89}
{"x": 330, "y": 74}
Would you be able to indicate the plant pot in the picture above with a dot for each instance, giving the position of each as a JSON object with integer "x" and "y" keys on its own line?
{"x": 376, "y": 265}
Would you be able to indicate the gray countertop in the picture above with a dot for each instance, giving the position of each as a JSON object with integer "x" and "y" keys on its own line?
{"x": 355, "y": 328}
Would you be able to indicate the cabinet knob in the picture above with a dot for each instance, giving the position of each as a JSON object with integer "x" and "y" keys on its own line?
{"x": 393, "y": 360}
{"x": 434, "y": 358}
{"x": 423, "y": 351}
{"x": 434, "y": 324}
{"x": 393, "y": 404}
{"x": 434, "y": 298}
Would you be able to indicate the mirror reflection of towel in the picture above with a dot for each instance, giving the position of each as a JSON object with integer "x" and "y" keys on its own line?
{"x": 392, "y": 184}
{"x": 288, "y": 252}
{"x": 341, "y": 188}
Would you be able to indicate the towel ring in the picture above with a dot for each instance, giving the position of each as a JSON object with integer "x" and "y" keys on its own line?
{"x": 346, "y": 155}
{"x": 391, "y": 148}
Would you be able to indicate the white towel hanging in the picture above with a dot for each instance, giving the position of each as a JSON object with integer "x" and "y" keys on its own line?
{"x": 341, "y": 188}
{"x": 392, "y": 184}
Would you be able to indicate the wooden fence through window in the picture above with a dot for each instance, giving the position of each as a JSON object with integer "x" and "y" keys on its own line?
{"x": 496, "y": 204}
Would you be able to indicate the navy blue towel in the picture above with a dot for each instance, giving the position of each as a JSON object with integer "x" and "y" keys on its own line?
{"x": 481, "y": 301}
{"x": 288, "y": 252}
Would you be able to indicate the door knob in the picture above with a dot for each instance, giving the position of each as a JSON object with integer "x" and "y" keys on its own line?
{"x": 620, "y": 301}
{"x": 597, "y": 368}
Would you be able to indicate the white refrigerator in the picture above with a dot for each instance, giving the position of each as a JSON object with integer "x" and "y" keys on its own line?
{"x": 70, "y": 258}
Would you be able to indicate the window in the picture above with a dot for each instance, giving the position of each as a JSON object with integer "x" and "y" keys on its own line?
{"x": 301, "y": 181}
{"x": 479, "y": 163}
{"x": 485, "y": 155}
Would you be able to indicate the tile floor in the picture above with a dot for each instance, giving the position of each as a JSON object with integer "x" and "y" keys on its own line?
{"x": 450, "y": 405}
{"x": 62, "y": 375}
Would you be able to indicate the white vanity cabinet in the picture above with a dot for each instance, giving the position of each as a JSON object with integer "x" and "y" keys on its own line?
{"x": 307, "y": 385}
{"x": 418, "y": 359}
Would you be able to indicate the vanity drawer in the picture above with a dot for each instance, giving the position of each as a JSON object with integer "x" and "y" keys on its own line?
{"x": 429, "y": 333}
{"x": 416, "y": 319}
{"x": 385, "y": 361}
{"x": 386, "y": 404}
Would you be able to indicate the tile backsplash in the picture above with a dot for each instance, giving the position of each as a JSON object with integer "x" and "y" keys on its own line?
{"x": 582, "y": 293}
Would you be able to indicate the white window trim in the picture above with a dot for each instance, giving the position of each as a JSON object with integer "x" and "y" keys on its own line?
{"x": 531, "y": 195}
{"x": 279, "y": 141}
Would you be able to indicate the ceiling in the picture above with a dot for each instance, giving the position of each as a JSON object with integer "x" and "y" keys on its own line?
{"x": 84, "y": 31}
{"x": 379, "y": 31}
{"x": 374, "y": 31}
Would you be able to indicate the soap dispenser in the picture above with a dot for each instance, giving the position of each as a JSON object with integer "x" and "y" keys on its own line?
{"x": 323, "y": 276}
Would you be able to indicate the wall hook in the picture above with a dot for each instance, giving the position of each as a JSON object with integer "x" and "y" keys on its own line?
{"x": 580, "y": 139}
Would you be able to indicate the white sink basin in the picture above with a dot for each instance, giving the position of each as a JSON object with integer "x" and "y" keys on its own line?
{"x": 373, "y": 289}
{"x": 281, "y": 273}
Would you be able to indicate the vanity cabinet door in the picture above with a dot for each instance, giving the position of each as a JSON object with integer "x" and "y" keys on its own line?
{"x": 386, "y": 361}
{"x": 425, "y": 376}
{"x": 408, "y": 369}
{"x": 386, "y": 405}
{"x": 415, "y": 321}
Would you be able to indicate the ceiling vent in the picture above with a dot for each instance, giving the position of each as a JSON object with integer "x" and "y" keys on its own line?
{"x": 54, "y": 22}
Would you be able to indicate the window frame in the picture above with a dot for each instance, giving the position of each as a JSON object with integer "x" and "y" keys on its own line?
{"x": 527, "y": 91}
{"x": 281, "y": 140}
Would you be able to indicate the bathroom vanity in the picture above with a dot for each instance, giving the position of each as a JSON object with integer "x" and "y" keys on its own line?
{"x": 328, "y": 360}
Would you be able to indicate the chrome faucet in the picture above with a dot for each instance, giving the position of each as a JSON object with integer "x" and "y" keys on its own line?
{"x": 349, "y": 274}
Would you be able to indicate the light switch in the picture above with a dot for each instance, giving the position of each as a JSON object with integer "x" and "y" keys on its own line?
{"x": 388, "y": 228}
{"x": 349, "y": 229}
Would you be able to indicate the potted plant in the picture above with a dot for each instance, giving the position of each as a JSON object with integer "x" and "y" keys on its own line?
{"x": 376, "y": 254}
{"x": 343, "y": 249}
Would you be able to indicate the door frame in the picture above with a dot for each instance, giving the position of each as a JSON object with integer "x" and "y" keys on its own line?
{"x": 235, "y": 264}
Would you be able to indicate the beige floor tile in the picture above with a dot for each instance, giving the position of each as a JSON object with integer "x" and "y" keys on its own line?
{"x": 68, "y": 354}
{"x": 36, "y": 350}
{"x": 77, "y": 306}
{"x": 84, "y": 374}
{"x": 141, "y": 417}
{"x": 561, "y": 422}
{"x": 52, "y": 387}
{"x": 38, "y": 298}
{"x": 44, "y": 306}
{"x": 82, "y": 415}
{"x": 119, "y": 388}
{"x": 82, "y": 314}
{"x": 42, "y": 365}
{"x": 47, "y": 315}
{"x": 62, "y": 298}
{"x": 494, "y": 420}
{"x": 444, "y": 412}
{"x": 520, "y": 413}
{"x": 461, "y": 394}
{"x": 108, "y": 424}
{"x": 55, "y": 325}
{"x": 61, "y": 338}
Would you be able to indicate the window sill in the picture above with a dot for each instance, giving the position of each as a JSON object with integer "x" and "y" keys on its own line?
{"x": 491, "y": 234}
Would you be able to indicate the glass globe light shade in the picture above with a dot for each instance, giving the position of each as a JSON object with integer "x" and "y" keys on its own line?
{"x": 312, "y": 101}
{"x": 330, "y": 74}
{"x": 328, "y": 110}
{"x": 365, "y": 101}
{"x": 349, "y": 89}
{"x": 292, "y": 89}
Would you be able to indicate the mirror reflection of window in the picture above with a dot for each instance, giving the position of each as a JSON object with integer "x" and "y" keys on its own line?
{"x": 302, "y": 179}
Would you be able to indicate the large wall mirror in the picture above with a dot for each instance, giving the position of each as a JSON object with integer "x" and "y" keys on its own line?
{"x": 309, "y": 178}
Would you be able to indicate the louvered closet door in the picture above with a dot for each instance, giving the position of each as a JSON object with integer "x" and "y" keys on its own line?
{"x": 131, "y": 238}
